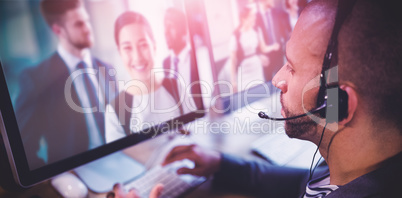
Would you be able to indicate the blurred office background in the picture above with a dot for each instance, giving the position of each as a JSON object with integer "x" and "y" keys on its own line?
{"x": 26, "y": 40}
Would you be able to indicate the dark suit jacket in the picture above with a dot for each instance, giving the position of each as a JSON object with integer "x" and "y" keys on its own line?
{"x": 195, "y": 89}
{"x": 261, "y": 179}
{"x": 282, "y": 30}
{"x": 45, "y": 119}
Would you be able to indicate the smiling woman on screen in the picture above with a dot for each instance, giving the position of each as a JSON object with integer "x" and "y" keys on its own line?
{"x": 144, "y": 101}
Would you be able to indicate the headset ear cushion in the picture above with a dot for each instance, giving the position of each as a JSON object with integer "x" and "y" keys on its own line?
{"x": 343, "y": 104}
{"x": 336, "y": 110}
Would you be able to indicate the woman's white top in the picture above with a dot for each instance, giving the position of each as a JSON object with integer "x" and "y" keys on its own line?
{"x": 147, "y": 111}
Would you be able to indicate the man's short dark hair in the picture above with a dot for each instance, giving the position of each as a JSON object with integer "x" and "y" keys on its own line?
{"x": 370, "y": 56}
{"x": 54, "y": 10}
{"x": 178, "y": 18}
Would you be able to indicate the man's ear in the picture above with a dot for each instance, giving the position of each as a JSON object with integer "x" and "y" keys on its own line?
{"x": 56, "y": 29}
{"x": 352, "y": 103}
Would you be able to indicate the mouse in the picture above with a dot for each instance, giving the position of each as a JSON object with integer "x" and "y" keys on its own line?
{"x": 69, "y": 185}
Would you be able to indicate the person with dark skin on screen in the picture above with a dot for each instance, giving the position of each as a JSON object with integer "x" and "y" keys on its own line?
{"x": 362, "y": 151}
{"x": 180, "y": 64}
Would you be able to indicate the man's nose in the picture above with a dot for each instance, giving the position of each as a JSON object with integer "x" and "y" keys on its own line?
{"x": 136, "y": 56}
{"x": 279, "y": 80}
{"x": 86, "y": 25}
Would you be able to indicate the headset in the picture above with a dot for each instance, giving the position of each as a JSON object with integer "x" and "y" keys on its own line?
{"x": 327, "y": 106}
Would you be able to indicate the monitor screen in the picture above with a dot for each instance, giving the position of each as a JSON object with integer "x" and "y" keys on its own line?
{"x": 248, "y": 40}
{"x": 83, "y": 79}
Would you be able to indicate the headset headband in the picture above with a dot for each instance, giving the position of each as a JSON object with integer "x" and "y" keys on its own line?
{"x": 344, "y": 8}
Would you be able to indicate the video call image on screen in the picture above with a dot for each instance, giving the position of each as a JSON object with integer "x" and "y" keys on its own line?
{"x": 85, "y": 73}
{"x": 248, "y": 40}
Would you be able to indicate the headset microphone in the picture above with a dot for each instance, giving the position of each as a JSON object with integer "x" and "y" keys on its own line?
{"x": 265, "y": 116}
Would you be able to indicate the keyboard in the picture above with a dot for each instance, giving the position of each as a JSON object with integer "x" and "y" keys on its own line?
{"x": 174, "y": 184}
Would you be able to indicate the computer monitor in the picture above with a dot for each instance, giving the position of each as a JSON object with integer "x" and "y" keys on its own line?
{"x": 84, "y": 79}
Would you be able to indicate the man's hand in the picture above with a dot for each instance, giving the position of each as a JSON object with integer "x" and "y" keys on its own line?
{"x": 207, "y": 162}
{"x": 120, "y": 193}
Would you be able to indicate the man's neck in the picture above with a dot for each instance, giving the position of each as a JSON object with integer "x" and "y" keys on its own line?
{"x": 178, "y": 50}
{"x": 351, "y": 153}
{"x": 79, "y": 53}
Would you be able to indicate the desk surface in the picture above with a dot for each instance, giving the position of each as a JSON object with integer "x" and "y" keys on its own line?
{"x": 229, "y": 133}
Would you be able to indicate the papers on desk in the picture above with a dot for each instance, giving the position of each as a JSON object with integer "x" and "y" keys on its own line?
{"x": 284, "y": 151}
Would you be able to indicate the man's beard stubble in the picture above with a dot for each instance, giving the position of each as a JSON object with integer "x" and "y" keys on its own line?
{"x": 80, "y": 44}
{"x": 299, "y": 127}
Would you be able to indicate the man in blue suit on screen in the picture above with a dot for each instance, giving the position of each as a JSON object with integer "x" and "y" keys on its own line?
{"x": 61, "y": 104}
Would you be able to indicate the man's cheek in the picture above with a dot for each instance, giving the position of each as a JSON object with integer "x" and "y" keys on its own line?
{"x": 309, "y": 99}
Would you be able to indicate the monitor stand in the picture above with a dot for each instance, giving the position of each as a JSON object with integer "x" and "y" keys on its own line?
{"x": 100, "y": 175}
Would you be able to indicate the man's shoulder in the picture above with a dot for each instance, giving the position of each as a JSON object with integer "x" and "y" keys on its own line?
{"x": 36, "y": 81}
{"x": 43, "y": 69}
{"x": 50, "y": 61}
{"x": 383, "y": 182}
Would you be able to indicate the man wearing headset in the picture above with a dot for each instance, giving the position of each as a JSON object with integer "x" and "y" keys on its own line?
{"x": 362, "y": 150}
